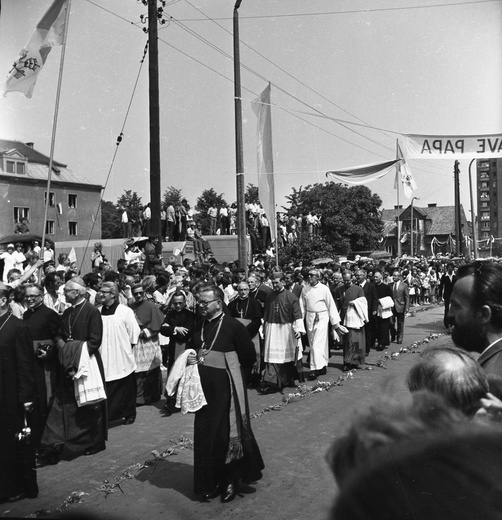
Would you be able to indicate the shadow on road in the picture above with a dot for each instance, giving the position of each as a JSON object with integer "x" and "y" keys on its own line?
{"x": 165, "y": 474}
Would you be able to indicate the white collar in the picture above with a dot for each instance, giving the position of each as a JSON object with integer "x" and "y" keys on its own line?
{"x": 490, "y": 346}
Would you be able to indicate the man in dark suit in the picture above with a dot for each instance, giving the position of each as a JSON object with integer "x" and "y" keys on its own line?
{"x": 258, "y": 290}
{"x": 372, "y": 299}
{"x": 401, "y": 296}
{"x": 445, "y": 289}
{"x": 291, "y": 284}
{"x": 43, "y": 326}
{"x": 476, "y": 313}
{"x": 382, "y": 322}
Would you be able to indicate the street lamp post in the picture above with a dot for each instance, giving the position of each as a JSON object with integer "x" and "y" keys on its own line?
{"x": 411, "y": 242}
{"x": 474, "y": 230}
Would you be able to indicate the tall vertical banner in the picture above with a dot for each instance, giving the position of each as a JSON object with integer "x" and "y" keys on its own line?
{"x": 261, "y": 107}
{"x": 49, "y": 32}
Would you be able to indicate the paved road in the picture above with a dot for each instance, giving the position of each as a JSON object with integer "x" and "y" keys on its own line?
{"x": 293, "y": 440}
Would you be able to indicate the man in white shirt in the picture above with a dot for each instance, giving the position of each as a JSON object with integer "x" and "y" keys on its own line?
{"x": 319, "y": 309}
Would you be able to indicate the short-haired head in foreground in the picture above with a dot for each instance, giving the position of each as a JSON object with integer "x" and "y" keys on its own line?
{"x": 453, "y": 374}
{"x": 454, "y": 476}
{"x": 389, "y": 422}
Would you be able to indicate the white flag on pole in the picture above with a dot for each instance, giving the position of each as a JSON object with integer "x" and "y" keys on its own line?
{"x": 402, "y": 170}
{"x": 49, "y": 32}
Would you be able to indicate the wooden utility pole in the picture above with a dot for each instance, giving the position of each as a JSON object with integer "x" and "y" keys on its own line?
{"x": 153, "y": 75}
{"x": 458, "y": 224}
{"x": 239, "y": 151}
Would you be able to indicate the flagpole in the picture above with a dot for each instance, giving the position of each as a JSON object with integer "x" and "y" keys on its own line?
{"x": 399, "y": 248}
{"x": 54, "y": 126}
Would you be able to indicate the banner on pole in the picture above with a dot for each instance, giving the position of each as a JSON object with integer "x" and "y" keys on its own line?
{"x": 403, "y": 171}
{"x": 452, "y": 146}
{"x": 266, "y": 191}
{"x": 49, "y": 32}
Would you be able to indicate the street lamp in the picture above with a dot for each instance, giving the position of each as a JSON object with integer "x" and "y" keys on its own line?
{"x": 473, "y": 218}
{"x": 411, "y": 243}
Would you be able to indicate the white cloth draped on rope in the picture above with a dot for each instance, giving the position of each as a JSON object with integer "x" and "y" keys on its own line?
{"x": 363, "y": 174}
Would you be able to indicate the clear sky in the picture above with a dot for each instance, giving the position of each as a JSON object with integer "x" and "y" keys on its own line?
{"x": 405, "y": 66}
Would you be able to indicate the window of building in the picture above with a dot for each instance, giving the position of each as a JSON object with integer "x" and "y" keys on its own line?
{"x": 485, "y": 235}
{"x": 484, "y": 184}
{"x": 14, "y": 166}
{"x": 52, "y": 199}
{"x": 494, "y": 185}
{"x": 485, "y": 216}
{"x": 72, "y": 228}
{"x": 484, "y": 164}
{"x": 72, "y": 200}
{"x": 21, "y": 213}
{"x": 485, "y": 225}
{"x": 484, "y": 204}
{"x": 50, "y": 227}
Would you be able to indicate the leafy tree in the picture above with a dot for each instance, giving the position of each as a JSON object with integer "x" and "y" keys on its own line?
{"x": 204, "y": 202}
{"x": 350, "y": 216}
{"x": 307, "y": 248}
{"x": 294, "y": 201}
{"x": 251, "y": 195}
{"x": 131, "y": 201}
{"x": 172, "y": 196}
{"x": 110, "y": 220}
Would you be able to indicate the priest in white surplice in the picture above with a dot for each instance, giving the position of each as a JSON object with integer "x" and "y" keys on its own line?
{"x": 283, "y": 326}
{"x": 120, "y": 335}
{"x": 319, "y": 309}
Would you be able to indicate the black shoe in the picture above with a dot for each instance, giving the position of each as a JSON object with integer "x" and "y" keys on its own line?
{"x": 228, "y": 493}
{"x": 323, "y": 371}
{"x": 16, "y": 498}
{"x": 346, "y": 368}
{"x": 49, "y": 457}
{"x": 129, "y": 420}
{"x": 212, "y": 494}
{"x": 268, "y": 390}
{"x": 379, "y": 347}
{"x": 95, "y": 449}
{"x": 313, "y": 375}
{"x": 399, "y": 341}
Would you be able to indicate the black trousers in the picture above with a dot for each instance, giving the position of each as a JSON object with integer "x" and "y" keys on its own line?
{"x": 382, "y": 332}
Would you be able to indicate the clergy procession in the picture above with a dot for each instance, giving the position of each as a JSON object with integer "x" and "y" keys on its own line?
{"x": 228, "y": 349}
{"x": 186, "y": 339}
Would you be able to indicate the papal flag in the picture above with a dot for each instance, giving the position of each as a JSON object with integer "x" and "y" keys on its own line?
{"x": 266, "y": 193}
{"x": 50, "y": 31}
{"x": 403, "y": 172}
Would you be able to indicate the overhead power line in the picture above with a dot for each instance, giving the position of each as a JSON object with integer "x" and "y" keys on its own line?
{"x": 332, "y": 13}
